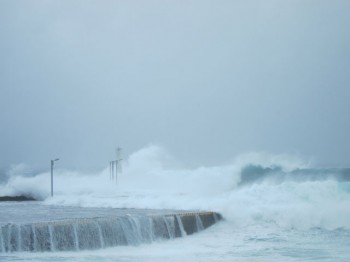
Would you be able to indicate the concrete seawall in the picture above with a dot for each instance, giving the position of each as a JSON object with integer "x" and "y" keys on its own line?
{"x": 125, "y": 228}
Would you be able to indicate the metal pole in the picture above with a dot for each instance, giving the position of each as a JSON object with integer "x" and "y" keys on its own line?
{"x": 116, "y": 171}
{"x": 118, "y": 162}
{"x": 52, "y": 163}
{"x": 115, "y": 164}
{"x": 52, "y": 178}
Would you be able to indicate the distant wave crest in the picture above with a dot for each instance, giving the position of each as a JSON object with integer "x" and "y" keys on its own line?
{"x": 257, "y": 174}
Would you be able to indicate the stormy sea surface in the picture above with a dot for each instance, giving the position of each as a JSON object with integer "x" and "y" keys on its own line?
{"x": 275, "y": 207}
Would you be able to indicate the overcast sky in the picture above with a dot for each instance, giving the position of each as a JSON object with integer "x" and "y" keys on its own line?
{"x": 208, "y": 80}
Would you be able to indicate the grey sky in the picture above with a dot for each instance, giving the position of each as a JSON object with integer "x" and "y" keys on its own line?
{"x": 206, "y": 79}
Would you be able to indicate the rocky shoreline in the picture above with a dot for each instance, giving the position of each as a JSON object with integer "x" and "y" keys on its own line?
{"x": 17, "y": 198}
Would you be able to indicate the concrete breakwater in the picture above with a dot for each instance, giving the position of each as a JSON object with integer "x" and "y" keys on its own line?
{"x": 142, "y": 226}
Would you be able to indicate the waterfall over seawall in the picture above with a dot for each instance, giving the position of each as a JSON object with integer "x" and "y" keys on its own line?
{"x": 100, "y": 232}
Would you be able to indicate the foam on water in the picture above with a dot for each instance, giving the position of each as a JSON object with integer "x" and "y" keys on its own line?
{"x": 277, "y": 208}
{"x": 254, "y": 188}
{"x": 222, "y": 242}
{"x": 39, "y": 228}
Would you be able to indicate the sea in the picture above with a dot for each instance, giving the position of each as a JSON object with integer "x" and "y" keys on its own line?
{"x": 275, "y": 207}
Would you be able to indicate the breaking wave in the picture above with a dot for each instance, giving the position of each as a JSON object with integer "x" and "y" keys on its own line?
{"x": 254, "y": 188}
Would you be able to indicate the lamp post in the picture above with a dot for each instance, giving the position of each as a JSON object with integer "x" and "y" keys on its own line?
{"x": 52, "y": 163}
{"x": 115, "y": 165}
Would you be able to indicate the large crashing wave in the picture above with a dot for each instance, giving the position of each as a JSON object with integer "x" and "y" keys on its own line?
{"x": 252, "y": 173}
{"x": 254, "y": 188}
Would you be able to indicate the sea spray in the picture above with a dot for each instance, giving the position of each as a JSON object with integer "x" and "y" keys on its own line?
{"x": 170, "y": 226}
{"x": 199, "y": 223}
{"x": 254, "y": 188}
{"x": 181, "y": 226}
{"x": 75, "y": 234}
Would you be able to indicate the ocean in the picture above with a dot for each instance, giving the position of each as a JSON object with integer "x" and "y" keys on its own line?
{"x": 275, "y": 208}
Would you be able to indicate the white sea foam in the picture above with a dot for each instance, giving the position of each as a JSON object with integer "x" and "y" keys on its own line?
{"x": 254, "y": 188}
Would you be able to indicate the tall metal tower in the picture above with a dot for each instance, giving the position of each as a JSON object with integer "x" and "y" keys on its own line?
{"x": 115, "y": 165}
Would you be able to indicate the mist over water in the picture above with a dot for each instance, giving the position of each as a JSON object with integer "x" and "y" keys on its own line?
{"x": 206, "y": 79}
{"x": 275, "y": 207}
{"x": 256, "y": 188}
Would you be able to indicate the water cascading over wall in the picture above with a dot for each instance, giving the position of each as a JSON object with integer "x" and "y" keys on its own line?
{"x": 94, "y": 233}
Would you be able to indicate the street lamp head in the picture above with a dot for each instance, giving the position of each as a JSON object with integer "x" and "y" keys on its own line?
{"x": 56, "y": 159}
